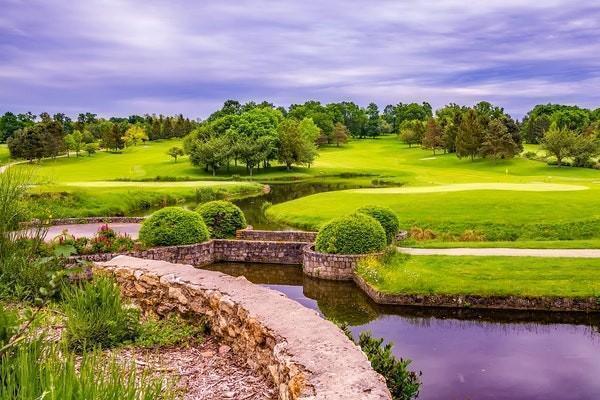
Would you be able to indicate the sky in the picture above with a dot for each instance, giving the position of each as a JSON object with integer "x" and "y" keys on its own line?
{"x": 143, "y": 56}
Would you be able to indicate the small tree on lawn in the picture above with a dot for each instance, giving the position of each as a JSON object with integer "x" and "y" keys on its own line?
{"x": 175, "y": 152}
{"x": 91, "y": 148}
{"x": 135, "y": 135}
{"x": 558, "y": 142}
{"x": 340, "y": 134}
{"x": 584, "y": 147}
{"x": 434, "y": 137}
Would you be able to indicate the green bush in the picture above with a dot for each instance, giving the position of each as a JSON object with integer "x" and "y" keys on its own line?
{"x": 96, "y": 317}
{"x": 222, "y": 218}
{"x": 352, "y": 234}
{"x": 172, "y": 226}
{"x": 386, "y": 217}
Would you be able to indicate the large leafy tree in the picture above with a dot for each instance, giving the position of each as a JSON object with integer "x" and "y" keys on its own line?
{"x": 372, "y": 125}
{"x": 212, "y": 154}
{"x": 498, "y": 142}
{"x": 412, "y": 132}
{"x": 469, "y": 136}
{"x": 558, "y": 142}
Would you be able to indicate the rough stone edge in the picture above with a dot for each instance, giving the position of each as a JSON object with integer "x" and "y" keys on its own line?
{"x": 558, "y": 304}
{"x": 322, "y": 363}
{"x": 332, "y": 262}
{"x": 249, "y": 233}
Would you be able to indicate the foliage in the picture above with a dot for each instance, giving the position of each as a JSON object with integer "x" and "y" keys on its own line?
{"x": 497, "y": 142}
{"x": 402, "y": 383}
{"x": 175, "y": 152}
{"x": 352, "y": 234}
{"x": 386, "y": 217}
{"x": 340, "y": 134}
{"x": 434, "y": 137}
{"x": 91, "y": 148}
{"x": 469, "y": 135}
{"x": 222, "y": 218}
{"x": 170, "y": 331}
{"x": 42, "y": 370}
{"x": 297, "y": 142}
{"x": 135, "y": 135}
{"x": 106, "y": 240}
{"x": 412, "y": 132}
{"x": 173, "y": 226}
{"x": 558, "y": 142}
{"x": 96, "y": 316}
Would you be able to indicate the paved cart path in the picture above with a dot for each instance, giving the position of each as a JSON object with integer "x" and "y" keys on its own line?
{"x": 89, "y": 230}
{"x": 569, "y": 253}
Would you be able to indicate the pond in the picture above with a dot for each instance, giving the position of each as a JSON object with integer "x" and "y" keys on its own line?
{"x": 463, "y": 354}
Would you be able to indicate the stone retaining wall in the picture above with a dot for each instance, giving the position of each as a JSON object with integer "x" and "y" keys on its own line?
{"x": 278, "y": 236}
{"x": 217, "y": 250}
{"x": 339, "y": 267}
{"x": 306, "y": 356}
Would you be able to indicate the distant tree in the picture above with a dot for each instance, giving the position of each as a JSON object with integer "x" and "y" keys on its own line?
{"x": 558, "y": 142}
{"x": 91, "y": 148}
{"x": 112, "y": 139}
{"x": 175, "y": 152}
{"x": 135, "y": 135}
{"x": 583, "y": 148}
{"x": 155, "y": 129}
{"x": 469, "y": 136}
{"x": 53, "y": 136}
{"x": 11, "y": 123}
{"x": 27, "y": 143}
{"x": 497, "y": 142}
{"x": 411, "y": 132}
{"x": 372, "y": 125}
{"x": 212, "y": 153}
{"x": 340, "y": 134}
{"x": 433, "y": 138}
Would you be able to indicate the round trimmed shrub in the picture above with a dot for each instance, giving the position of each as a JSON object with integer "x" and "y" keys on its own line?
{"x": 222, "y": 218}
{"x": 386, "y": 217}
{"x": 352, "y": 234}
{"x": 173, "y": 226}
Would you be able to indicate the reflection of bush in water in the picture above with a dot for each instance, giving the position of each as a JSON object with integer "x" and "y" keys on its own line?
{"x": 262, "y": 274}
{"x": 340, "y": 301}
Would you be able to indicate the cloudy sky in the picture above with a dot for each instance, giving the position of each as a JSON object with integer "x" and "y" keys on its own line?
{"x": 143, "y": 56}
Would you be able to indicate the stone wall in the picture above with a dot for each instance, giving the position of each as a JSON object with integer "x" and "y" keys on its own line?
{"x": 217, "y": 250}
{"x": 278, "y": 236}
{"x": 331, "y": 266}
{"x": 306, "y": 356}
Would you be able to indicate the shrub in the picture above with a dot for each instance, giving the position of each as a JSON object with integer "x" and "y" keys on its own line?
{"x": 386, "y": 217}
{"x": 173, "y": 226}
{"x": 97, "y": 317}
{"x": 422, "y": 234}
{"x": 352, "y": 234}
{"x": 170, "y": 331}
{"x": 222, "y": 218}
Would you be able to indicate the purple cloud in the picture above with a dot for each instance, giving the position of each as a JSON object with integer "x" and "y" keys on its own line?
{"x": 122, "y": 57}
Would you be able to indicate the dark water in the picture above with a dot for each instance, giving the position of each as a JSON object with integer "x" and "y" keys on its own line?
{"x": 463, "y": 354}
{"x": 254, "y": 207}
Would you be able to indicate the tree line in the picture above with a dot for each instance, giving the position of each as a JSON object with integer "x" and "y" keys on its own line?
{"x": 33, "y": 137}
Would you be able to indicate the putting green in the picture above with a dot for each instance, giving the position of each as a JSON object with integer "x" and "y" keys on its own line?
{"x": 460, "y": 187}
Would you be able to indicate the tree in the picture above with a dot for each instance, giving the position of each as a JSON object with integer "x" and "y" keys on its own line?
{"x": 558, "y": 142}
{"x": 112, "y": 138}
{"x": 75, "y": 141}
{"x": 11, "y": 123}
{"x": 91, "y": 148}
{"x": 469, "y": 136}
{"x": 433, "y": 138}
{"x": 372, "y": 125}
{"x": 583, "y": 148}
{"x": 497, "y": 142}
{"x": 175, "y": 152}
{"x": 27, "y": 143}
{"x": 297, "y": 142}
{"x": 340, "y": 134}
{"x": 411, "y": 132}
{"x": 211, "y": 153}
{"x": 135, "y": 135}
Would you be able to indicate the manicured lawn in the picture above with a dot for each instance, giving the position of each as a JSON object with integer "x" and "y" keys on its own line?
{"x": 525, "y": 244}
{"x": 485, "y": 276}
{"x": 4, "y": 154}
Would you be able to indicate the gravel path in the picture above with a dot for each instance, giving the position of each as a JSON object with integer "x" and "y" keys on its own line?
{"x": 570, "y": 253}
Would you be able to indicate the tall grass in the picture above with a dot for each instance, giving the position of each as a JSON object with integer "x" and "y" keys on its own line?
{"x": 96, "y": 316}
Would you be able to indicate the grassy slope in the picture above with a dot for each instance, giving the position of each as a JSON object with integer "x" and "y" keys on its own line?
{"x": 4, "y": 154}
{"x": 525, "y": 244}
{"x": 486, "y": 276}
{"x": 501, "y": 215}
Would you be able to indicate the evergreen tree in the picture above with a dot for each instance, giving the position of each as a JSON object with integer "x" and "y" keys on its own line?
{"x": 469, "y": 136}
{"x": 372, "y": 125}
{"x": 497, "y": 142}
{"x": 433, "y": 138}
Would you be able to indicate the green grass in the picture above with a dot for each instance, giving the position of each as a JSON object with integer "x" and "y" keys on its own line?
{"x": 485, "y": 276}
{"x": 85, "y": 201}
{"x": 525, "y": 244}
{"x": 4, "y": 154}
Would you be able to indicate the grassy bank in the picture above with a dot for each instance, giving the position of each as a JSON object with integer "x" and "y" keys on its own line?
{"x": 117, "y": 200}
{"x": 4, "y": 154}
{"x": 484, "y": 276}
{"x": 526, "y": 244}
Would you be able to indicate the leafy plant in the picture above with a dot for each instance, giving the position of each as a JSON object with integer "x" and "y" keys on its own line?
{"x": 170, "y": 331}
{"x": 222, "y": 218}
{"x": 353, "y": 234}
{"x": 173, "y": 226}
{"x": 386, "y": 217}
{"x": 97, "y": 317}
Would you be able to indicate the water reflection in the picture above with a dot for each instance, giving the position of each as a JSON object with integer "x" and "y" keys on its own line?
{"x": 466, "y": 353}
